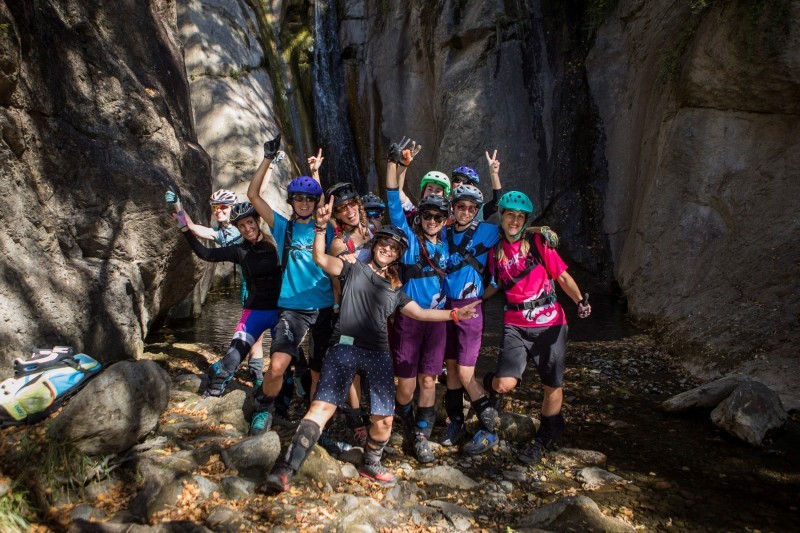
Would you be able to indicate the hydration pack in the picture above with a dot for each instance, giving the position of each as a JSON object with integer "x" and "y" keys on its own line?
{"x": 42, "y": 382}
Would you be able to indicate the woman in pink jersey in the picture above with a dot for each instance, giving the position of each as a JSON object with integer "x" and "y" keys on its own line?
{"x": 535, "y": 327}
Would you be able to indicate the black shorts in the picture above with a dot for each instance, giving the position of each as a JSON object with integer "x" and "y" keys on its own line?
{"x": 546, "y": 347}
{"x": 292, "y": 328}
{"x": 343, "y": 362}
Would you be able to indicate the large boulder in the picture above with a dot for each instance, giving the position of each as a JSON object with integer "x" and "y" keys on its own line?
{"x": 750, "y": 411}
{"x": 115, "y": 410}
{"x": 95, "y": 124}
{"x": 573, "y": 513}
{"x": 706, "y": 396}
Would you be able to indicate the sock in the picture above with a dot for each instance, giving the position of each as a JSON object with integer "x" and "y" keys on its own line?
{"x": 550, "y": 430}
{"x": 374, "y": 450}
{"x": 406, "y": 414}
{"x": 426, "y": 418}
{"x": 256, "y": 367}
{"x": 303, "y": 442}
{"x": 454, "y": 405}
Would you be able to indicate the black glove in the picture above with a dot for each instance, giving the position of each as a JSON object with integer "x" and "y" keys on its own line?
{"x": 271, "y": 147}
{"x": 396, "y": 152}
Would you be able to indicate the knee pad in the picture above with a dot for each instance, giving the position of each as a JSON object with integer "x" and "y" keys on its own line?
{"x": 454, "y": 405}
{"x": 425, "y": 420}
{"x": 487, "y": 413}
{"x": 303, "y": 442}
{"x": 374, "y": 449}
{"x": 551, "y": 429}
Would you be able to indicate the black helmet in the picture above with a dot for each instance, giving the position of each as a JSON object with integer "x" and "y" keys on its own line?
{"x": 435, "y": 202}
{"x": 341, "y": 192}
{"x": 372, "y": 201}
{"x": 242, "y": 210}
{"x": 394, "y": 234}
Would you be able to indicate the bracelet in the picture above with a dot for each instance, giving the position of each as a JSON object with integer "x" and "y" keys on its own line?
{"x": 454, "y": 314}
{"x": 319, "y": 229}
{"x": 335, "y": 307}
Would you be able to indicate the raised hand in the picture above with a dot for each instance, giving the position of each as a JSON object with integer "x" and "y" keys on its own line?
{"x": 271, "y": 147}
{"x": 171, "y": 198}
{"x": 494, "y": 163}
{"x": 410, "y": 153}
{"x": 324, "y": 211}
{"x": 315, "y": 161}
{"x": 396, "y": 151}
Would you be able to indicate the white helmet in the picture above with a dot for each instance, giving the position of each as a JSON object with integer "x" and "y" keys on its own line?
{"x": 223, "y": 197}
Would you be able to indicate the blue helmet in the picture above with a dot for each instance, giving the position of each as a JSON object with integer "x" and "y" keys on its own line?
{"x": 469, "y": 175}
{"x": 304, "y": 185}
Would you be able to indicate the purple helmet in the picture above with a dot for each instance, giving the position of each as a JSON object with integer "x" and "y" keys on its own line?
{"x": 467, "y": 174}
{"x": 304, "y": 185}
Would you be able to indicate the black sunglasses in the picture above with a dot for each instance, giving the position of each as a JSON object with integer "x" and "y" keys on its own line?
{"x": 303, "y": 198}
{"x": 432, "y": 216}
{"x": 374, "y": 214}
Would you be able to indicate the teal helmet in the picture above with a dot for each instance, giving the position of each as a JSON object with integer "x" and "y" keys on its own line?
{"x": 515, "y": 201}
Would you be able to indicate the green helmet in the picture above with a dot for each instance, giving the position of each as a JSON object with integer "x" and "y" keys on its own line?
{"x": 515, "y": 201}
{"x": 437, "y": 178}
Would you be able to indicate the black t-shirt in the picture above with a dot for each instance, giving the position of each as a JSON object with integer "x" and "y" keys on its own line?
{"x": 260, "y": 268}
{"x": 367, "y": 301}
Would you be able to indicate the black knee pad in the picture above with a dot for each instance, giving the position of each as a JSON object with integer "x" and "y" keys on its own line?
{"x": 551, "y": 429}
{"x": 454, "y": 405}
{"x": 303, "y": 442}
{"x": 425, "y": 420}
{"x": 487, "y": 413}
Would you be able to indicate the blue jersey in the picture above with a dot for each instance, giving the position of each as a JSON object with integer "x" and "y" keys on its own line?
{"x": 228, "y": 236}
{"x": 305, "y": 285}
{"x": 426, "y": 285}
{"x": 468, "y": 259}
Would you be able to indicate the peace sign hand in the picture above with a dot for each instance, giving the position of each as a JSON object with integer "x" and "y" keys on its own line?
{"x": 494, "y": 163}
{"x": 409, "y": 154}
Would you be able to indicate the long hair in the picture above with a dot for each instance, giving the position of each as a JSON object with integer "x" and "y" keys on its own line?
{"x": 524, "y": 248}
{"x": 363, "y": 223}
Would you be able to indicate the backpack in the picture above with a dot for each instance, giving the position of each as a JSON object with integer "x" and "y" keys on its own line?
{"x": 42, "y": 382}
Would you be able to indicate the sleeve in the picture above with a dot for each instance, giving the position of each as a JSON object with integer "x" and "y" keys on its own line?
{"x": 402, "y": 300}
{"x": 553, "y": 263}
{"x": 396, "y": 214}
{"x": 490, "y": 207}
{"x": 213, "y": 255}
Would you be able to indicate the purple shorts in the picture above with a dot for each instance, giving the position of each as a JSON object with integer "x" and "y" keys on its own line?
{"x": 464, "y": 337}
{"x": 417, "y": 347}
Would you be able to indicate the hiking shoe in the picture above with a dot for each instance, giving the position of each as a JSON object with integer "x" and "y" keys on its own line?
{"x": 454, "y": 434}
{"x": 360, "y": 436}
{"x": 260, "y": 423}
{"x": 217, "y": 378}
{"x": 377, "y": 473}
{"x": 482, "y": 442}
{"x": 422, "y": 449}
{"x": 280, "y": 479}
{"x": 333, "y": 447}
{"x": 532, "y": 453}
{"x": 257, "y": 383}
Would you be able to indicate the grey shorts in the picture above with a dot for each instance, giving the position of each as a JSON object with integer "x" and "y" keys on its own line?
{"x": 546, "y": 347}
{"x": 341, "y": 365}
{"x": 292, "y": 328}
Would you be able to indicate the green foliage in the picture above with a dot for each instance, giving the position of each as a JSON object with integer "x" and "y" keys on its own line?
{"x": 234, "y": 73}
{"x": 5, "y": 30}
{"x": 13, "y": 510}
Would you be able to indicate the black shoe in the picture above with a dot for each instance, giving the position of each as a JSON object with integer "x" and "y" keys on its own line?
{"x": 280, "y": 479}
{"x": 422, "y": 449}
{"x": 218, "y": 377}
{"x": 532, "y": 453}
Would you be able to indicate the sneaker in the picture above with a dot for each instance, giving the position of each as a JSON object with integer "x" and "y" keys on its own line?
{"x": 360, "y": 436}
{"x": 422, "y": 450}
{"x": 257, "y": 383}
{"x": 532, "y": 453}
{"x": 279, "y": 479}
{"x": 217, "y": 378}
{"x": 454, "y": 434}
{"x": 482, "y": 442}
{"x": 376, "y": 472}
{"x": 260, "y": 423}
{"x": 333, "y": 447}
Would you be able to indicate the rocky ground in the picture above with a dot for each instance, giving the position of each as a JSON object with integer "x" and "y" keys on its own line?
{"x": 623, "y": 465}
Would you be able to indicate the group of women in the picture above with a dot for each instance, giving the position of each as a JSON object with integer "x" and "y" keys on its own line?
{"x": 389, "y": 305}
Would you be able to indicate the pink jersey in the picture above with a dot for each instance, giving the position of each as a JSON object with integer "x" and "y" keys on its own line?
{"x": 536, "y": 284}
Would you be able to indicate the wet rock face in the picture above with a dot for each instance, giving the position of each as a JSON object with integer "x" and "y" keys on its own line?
{"x": 703, "y": 166}
{"x": 96, "y": 123}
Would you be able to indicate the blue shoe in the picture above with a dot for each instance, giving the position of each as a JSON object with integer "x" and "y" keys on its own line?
{"x": 454, "y": 434}
{"x": 218, "y": 377}
{"x": 482, "y": 442}
{"x": 260, "y": 423}
{"x": 333, "y": 447}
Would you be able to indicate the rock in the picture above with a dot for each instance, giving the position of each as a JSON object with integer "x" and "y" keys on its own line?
{"x": 576, "y": 456}
{"x": 237, "y": 488}
{"x": 512, "y": 427}
{"x": 593, "y": 477}
{"x": 349, "y": 471}
{"x": 184, "y": 526}
{"x": 321, "y": 468}
{"x": 227, "y": 519}
{"x": 706, "y": 396}
{"x": 108, "y": 122}
{"x": 86, "y": 512}
{"x": 115, "y": 410}
{"x": 227, "y": 409}
{"x": 254, "y": 457}
{"x": 188, "y": 383}
{"x": 749, "y": 412}
{"x": 574, "y": 513}
{"x": 206, "y": 488}
{"x": 444, "y": 475}
{"x": 513, "y": 475}
{"x": 460, "y": 517}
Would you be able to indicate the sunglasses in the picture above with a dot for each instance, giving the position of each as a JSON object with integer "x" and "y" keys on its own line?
{"x": 383, "y": 243}
{"x": 467, "y": 208}
{"x": 303, "y": 198}
{"x": 374, "y": 214}
{"x": 220, "y": 207}
{"x": 432, "y": 216}
{"x": 345, "y": 206}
